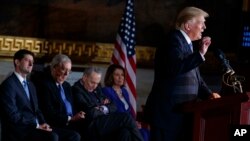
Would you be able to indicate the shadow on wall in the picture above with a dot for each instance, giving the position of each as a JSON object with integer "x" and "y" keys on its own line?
{"x": 154, "y": 35}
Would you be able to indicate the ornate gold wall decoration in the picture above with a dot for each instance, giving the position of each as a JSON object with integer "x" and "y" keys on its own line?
{"x": 10, "y": 44}
{"x": 80, "y": 52}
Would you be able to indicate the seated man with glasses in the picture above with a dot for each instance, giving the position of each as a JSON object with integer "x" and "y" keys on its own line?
{"x": 55, "y": 95}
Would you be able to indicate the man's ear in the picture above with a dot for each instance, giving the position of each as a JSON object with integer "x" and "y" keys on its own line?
{"x": 84, "y": 78}
{"x": 16, "y": 61}
{"x": 187, "y": 26}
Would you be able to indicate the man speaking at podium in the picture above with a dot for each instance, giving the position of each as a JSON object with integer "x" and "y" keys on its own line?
{"x": 177, "y": 78}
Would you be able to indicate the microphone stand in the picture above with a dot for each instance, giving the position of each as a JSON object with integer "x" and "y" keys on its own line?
{"x": 231, "y": 80}
{"x": 236, "y": 85}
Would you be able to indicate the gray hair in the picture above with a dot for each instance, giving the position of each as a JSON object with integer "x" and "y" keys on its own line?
{"x": 187, "y": 14}
{"x": 59, "y": 59}
{"x": 88, "y": 71}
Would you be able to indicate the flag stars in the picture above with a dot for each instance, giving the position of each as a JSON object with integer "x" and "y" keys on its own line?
{"x": 127, "y": 28}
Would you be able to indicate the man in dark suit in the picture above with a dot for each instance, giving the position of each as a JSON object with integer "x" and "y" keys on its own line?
{"x": 177, "y": 78}
{"x": 101, "y": 117}
{"x": 21, "y": 118}
{"x": 55, "y": 97}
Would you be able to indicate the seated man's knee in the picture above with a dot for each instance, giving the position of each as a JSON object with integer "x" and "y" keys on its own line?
{"x": 53, "y": 137}
{"x": 75, "y": 137}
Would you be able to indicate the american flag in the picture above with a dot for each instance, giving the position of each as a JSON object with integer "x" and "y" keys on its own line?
{"x": 124, "y": 51}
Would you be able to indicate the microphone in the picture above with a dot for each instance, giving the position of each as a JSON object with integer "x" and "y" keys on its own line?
{"x": 225, "y": 63}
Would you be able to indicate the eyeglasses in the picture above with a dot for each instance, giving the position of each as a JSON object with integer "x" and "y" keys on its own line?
{"x": 63, "y": 71}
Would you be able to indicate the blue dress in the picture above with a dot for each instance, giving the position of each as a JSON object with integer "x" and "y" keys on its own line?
{"x": 111, "y": 94}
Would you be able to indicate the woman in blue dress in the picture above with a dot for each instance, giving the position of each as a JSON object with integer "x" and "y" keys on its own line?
{"x": 114, "y": 81}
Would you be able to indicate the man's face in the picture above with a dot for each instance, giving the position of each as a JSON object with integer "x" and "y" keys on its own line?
{"x": 61, "y": 72}
{"x": 196, "y": 27}
{"x": 92, "y": 81}
{"x": 25, "y": 65}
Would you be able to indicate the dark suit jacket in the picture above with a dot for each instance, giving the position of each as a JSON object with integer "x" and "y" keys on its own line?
{"x": 84, "y": 101}
{"x": 51, "y": 102}
{"x": 18, "y": 112}
{"x": 177, "y": 79}
{"x": 111, "y": 126}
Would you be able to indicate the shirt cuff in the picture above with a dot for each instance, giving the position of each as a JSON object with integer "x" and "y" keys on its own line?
{"x": 37, "y": 123}
{"x": 104, "y": 109}
{"x": 202, "y": 56}
{"x": 69, "y": 118}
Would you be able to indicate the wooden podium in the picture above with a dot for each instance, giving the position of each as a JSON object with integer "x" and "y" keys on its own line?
{"x": 212, "y": 118}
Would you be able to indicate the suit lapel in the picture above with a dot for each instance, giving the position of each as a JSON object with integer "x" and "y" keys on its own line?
{"x": 32, "y": 96}
{"x": 186, "y": 48}
{"x": 56, "y": 91}
{"x": 21, "y": 91}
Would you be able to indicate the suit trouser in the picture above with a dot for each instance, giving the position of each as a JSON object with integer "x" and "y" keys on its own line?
{"x": 179, "y": 129}
{"x": 56, "y": 135}
{"x": 116, "y": 126}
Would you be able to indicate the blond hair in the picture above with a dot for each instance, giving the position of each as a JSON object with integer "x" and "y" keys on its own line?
{"x": 187, "y": 14}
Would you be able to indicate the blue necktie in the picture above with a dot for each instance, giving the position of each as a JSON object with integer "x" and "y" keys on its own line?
{"x": 66, "y": 102}
{"x": 25, "y": 86}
